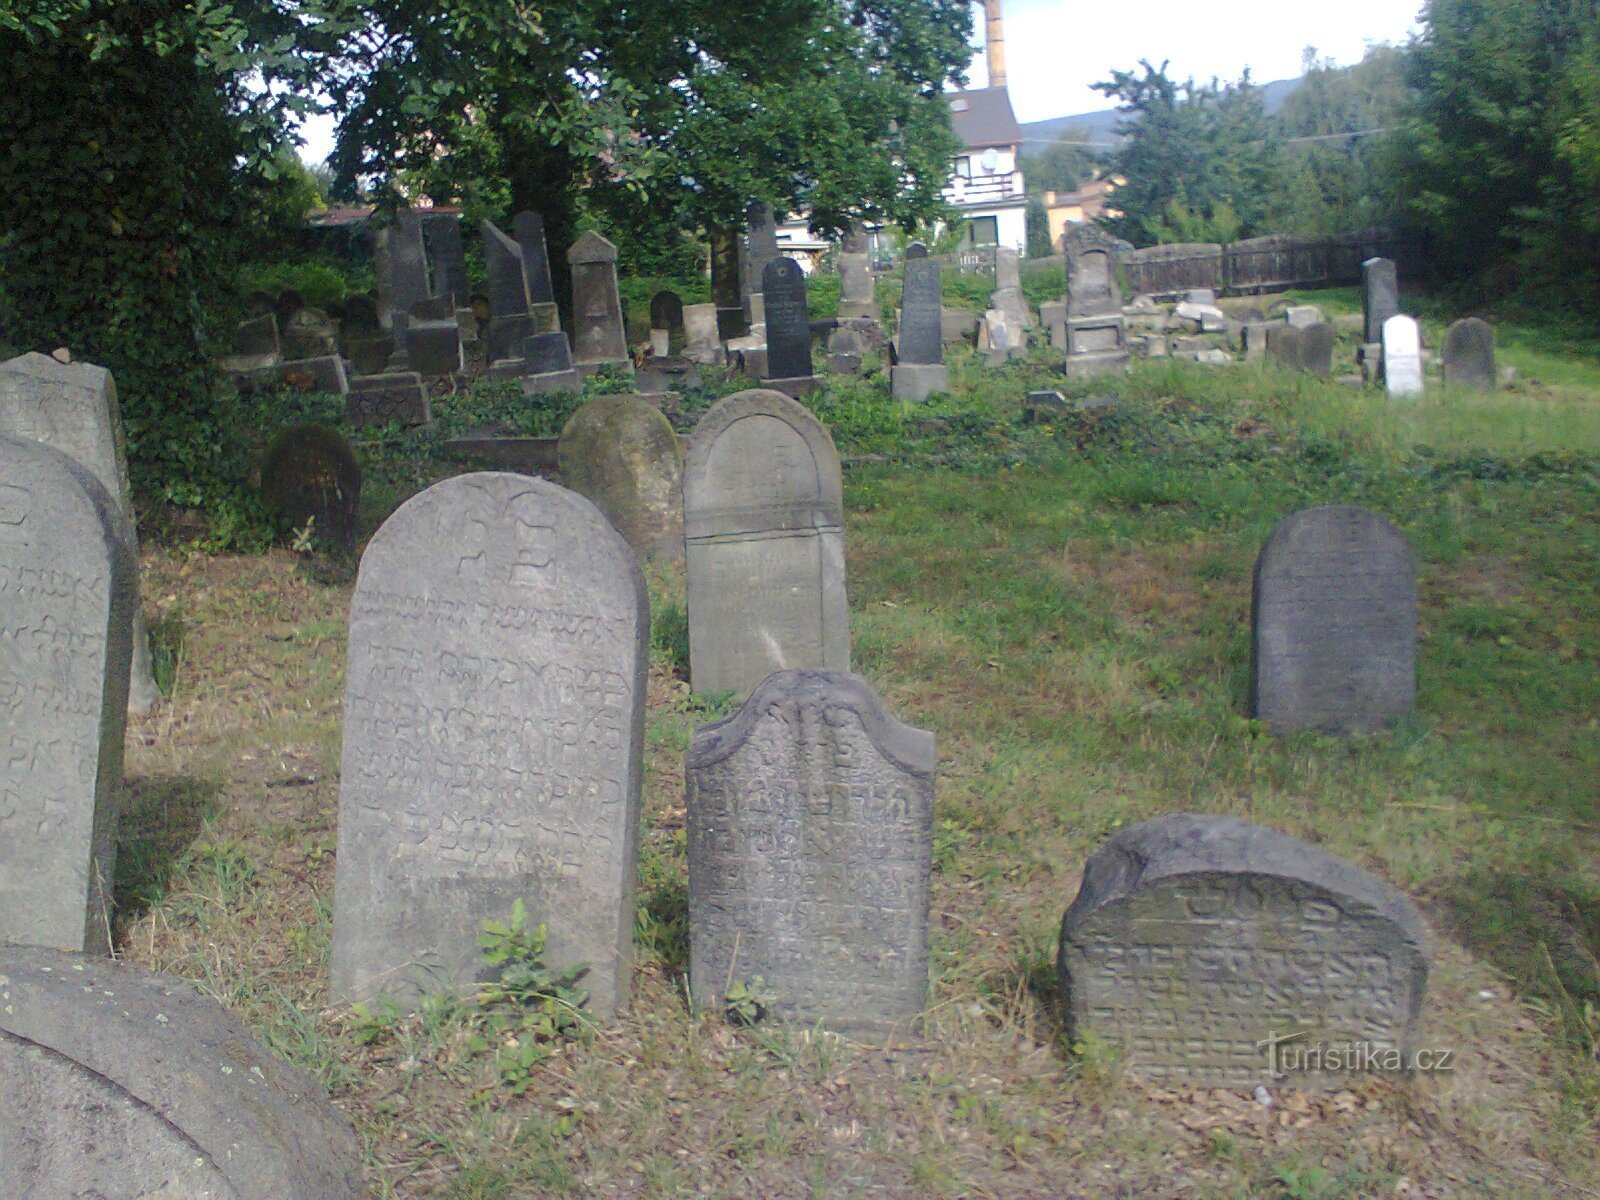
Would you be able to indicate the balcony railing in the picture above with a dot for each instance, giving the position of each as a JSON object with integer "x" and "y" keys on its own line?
{"x": 985, "y": 189}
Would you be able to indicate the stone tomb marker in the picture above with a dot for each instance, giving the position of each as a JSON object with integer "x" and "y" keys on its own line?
{"x": 1469, "y": 355}
{"x": 620, "y": 453}
{"x": 1402, "y": 357}
{"x": 783, "y": 285}
{"x": 67, "y": 598}
{"x": 1316, "y": 348}
{"x": 494, "y": 716}
{"x": 703, "y": 345}
{"x": 1334, "y": 623}
{"x": 310, "y": 476}
{"x": 1196, "y": 940}
{"x": 1380, "y": 297}
{"x": 810, "y": 816}
{"x": 598, "y": 336}
{"x": 119, "y": 1083}
{"x": 666, "y": 316}
{"x": 764, "y": 537}
{"x": 920, "y": 370}
{"x": 73, "y": 407}
{"x": 510, "y": 308}
{"x": 1286, "y": 346}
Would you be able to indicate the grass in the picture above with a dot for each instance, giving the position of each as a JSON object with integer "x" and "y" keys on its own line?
{"x": 1064, "y": 602}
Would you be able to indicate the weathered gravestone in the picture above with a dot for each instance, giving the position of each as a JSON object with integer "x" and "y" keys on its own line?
{"x": 1097, "y": 332}
{"x": 254, "y": 345}
{"x": 727, "y": 288}
{"x": 760, "y": 248}
{"x": 309, "y": 333}
{"x": 120, "y": 1084}
{"x": 441, "y": 238}
{"x": 510, "y": 315}
{"x": 73, "y": 407}
{"x": 1303, "y": 316}
{"x": 620, "y": 453}
{"x": 67, "y": 598}
{"x": 1380, "y": 297}
{"x": 1007, "y": 296}
{"x": 666, "y": 315}
{"x": 810, "y": 815}
{"x": 764, "y": 536}
{"x": 494, "y": 715}
{"x": 1285, "y": 346}
{"x": 311, "y": 478}
{"x": 433, "y": 338}
{"x": 857, "y": 296}
{"x": 1402, "y": 357}
{"x": 528, "y": 228}
{"x": 783, "y": 285}
{"x": 398, "y": 397}
{"x": 920, "y": 369}
{"x": 1217, "y": 953}
{"x": 1333, "y": 623}
{"x": 408, "y": 271}
{"x": 1316, "y": 349}
{"x": 702, "y": 344}
{"x": 1469, "y": 355}
{"x": 598, "y": 338}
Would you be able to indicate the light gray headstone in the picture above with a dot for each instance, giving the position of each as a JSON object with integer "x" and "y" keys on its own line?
{"x": 1092, "y": 287}
{"x": 1215, "y": 953}
{"x": 120, "y": 1084}
{"x": 1303, "y": 316}
{"x": 764, "y": 535}
{"x": 1334, "y": 623}
{"x": 494, "y": 714}
{"x": 810, "y": 816}
{"x": 700, "y": 334}
{"x": 1380, "y": 296}
{"x": 73, "y": 407}
{"x": 621, "y": 454}
{"x": 67, "y": 598}
{"x": 1469, "y": 355}
{"x": 1402, "y": 357}
{"x": 598, "y": 335}
{"x": 1316, "y": 348}
{"x": 857, "y": 296}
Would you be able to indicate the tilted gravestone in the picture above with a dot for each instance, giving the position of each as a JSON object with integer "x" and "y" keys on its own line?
{"x": 73, "y": 407}
{"x": 408, "y": 270}
{"x": 1380, "y": 297}
{"x": 1334, "y": 623}
{"x": 510, "y": 316}
{"x": 397, "y": 397}
{"x": 598, "y": 337}
{"x": 1316, "y": 349}
{"x": 1217, "y": 953}
{"x": 783, "y": 286}
{"x": 441, "y": 238}
{"x": 920, "y": 370}
{"x": 1402, "y": 357}
{"x": 494, "y": 716}
{"x": 528, "y": 228}
{"x": 810, "y": 815}
{"x": 764, "y": 537}
{"x": 311, "y": 478}
{"x": 122, "y": 1084}
{"x": 1469, "y": 355}
{"x": 620, "y": 453}
{"x": 67, "y": 598}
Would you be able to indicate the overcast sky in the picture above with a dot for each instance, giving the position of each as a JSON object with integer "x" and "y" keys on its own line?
{"x": 1055, "y": 49}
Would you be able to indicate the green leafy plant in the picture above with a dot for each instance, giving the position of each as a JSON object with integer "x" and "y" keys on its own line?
{"x": 748, "y": 1002}
{"x": 531, "y": 1005}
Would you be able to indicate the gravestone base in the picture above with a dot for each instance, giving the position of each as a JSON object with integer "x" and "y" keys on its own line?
{"x": 1083, "y": 366}
{"x": 399, "y": 396}
{"x": 433, "y": 347}
{"x": 550, "y": 382}
{"x": 794, "y": 387}
{"x": 731, "y": 323}
{"x": 752, "y": 362}
{"x": 659, "y": 376}
{"x": 918, "y": 381}
{"x": 324, "y": 374}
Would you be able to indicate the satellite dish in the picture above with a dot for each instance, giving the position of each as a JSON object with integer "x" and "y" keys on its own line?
{"x": 991, "y": 159}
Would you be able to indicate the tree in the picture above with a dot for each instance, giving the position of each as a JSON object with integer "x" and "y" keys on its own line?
{"x": 1065, "y": 165}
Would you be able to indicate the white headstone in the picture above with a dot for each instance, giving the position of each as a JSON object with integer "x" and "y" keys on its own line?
{"x": 1402, "y": 356}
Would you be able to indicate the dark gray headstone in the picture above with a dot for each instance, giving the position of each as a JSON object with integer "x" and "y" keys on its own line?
{"x": 546, "y": 353}
{"x": 764, "y": 532}
{"x": 510, "y": 318}
{"x": 810, "y": 815}
{"x": 1469, "y": 355}
{"x": 528, "y": 228}
{"x": 760, "y": 248}
{"x": 1380, "y": 296}
{"x": 68, "y": 582}
{"x": 433, "y": 338}
{"x": 921, "y": 339}
{"x": 360, "y": 316}
{"x": 309, "y": 333}
{"x": 915, "y": 251}
{"x": 727, "y": 286}
{"x": 408, "y": 268}
{"x": 1216, "y": 953}
{"x": 399, "y": 397}
{"x": 122, "y": 1084}
{"x": 1334, "y": 623}
{"x": 310, "y": 477}
{"x": 494, "y": 717}
{"x": 441, "y": 234}
{"x": 621, "y": 454}
{"x": 255, "y": 343}
{"x": 783, "y": 285}
{"x": 666, "y": 312}
{"x": 1284, "y": 346}
{"x": 1316, "y": 349}
{"x": 598, "y": 335}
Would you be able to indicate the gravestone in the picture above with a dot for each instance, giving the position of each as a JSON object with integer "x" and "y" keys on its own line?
{"x": 1254, "y": 336}
{"x": 810, "y": 822}
{"x": 255, "y": 344}
{"x": 310, "y": 477}
{"x": 620, "y": 453}
{"x": 915, "y": 251}
{"x": 383, "y": 278}
{"x": 666, "y": 313}
{"x": 727, "y": 287}
{"x": 844, "y": 351}
{"x": 1469, "y": 355}
{"x": 1007, "y": 296}
{"x": 120, "y": 1084}
{"x": 433, "y": 338}
{"x": 1333, "y": 623}
{"x": 857, "y": 296}
{"x": 783, "y": 286}
{"x": 764, "y": 534}
{"x": 73, "y": 407}
{"x": 1285, "y": 346}
{"x": 441, "y": 238}
{"x": 528, "y": 228}
{"x": 1402, "y": 357}
{"x": 1097, "y": 332}
{"x": 67, "y": 597}
{"x": 597, "y": 338}
{"x": 920, "y": 370}
{"x": 1001, "y": 338}
{"x": 361, "y": 336}
{"x": 494, "y": 717}
{"x": 1303, "y": 316}
{"x": 510, "y": 316}
{"x": 701, "y": 341}
{"x": 1316, "y": 349}
{"x": 760, "y": 248}
{"x": 408, "y": 270}
{"x": 1215, "y": 953}
{"x": 309, "y": 333}
{"x": 1380, "y": 297}
{"x": 397, "y": 397}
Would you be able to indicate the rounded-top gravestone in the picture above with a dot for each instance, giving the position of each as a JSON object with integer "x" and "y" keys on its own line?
{"x": 1469, "y": 355}
{"x": 311, "y": 478}
{"x": 309, "y": 333}
{"x": 621, "y": 454}
{"x": 1334, "y": 623}
{"x": 1218, "y": 953}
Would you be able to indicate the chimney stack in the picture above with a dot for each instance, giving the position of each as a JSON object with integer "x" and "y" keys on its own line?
{"x": 994, "y": 43}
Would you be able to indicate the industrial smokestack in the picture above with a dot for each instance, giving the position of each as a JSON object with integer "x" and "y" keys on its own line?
{"x": 994, "y": 42}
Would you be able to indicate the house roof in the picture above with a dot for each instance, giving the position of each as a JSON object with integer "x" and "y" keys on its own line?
{"x": 984, "y": 117}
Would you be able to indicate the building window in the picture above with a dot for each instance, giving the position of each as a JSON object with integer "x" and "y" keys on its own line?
{"x": 983, "y": 231}
{"x": 964, "y": 167}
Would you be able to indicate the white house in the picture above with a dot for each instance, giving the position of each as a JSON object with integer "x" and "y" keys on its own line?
{"x": 986, "y": 184}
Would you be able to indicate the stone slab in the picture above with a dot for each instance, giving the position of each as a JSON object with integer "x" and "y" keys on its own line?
{"x": 310, "y": 477}
{"x": 918, "y": 381}
{"x": 399, "y": 397}
{"x": 1380, "y": 296}
{"x": 1402, "y": 357}
{"x": 1469, "y": 356}
{"x": 621, "y": 454}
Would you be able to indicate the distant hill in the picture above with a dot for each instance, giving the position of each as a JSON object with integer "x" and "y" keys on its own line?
{"x": 1038, "y": 134}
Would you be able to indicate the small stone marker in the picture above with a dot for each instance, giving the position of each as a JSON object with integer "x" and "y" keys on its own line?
{"x": 1285, "y": 346}
{"x": 764, "y": 533}
{"x": 810, "y": 815}
{"x": 73, "y": 407}
{"x": 309, "y": 333}
{"x": 1216, "y": 953}
{"x": 1402, "y": 357}
{"x": 783, "y": 287}
{"x": 1469, "y": 356}
{"x": 67, "y": 598}
{"x": 702, "y": 344}
{"x": 1334, "y": 623}
{"x": 1380, "y": 296}
{"x": 494, "y": 717}
{"x": 1303, "y": 316}
{"x": 620, "y": 453}
{"x": 1097, "y": 332}
{"x": 1316, "y": 349}
{"x": 120, "y": 1084}
{"x": 310, "y": 477}
{"x": 598, "y": 337}
{"x": 400, "y": 397}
